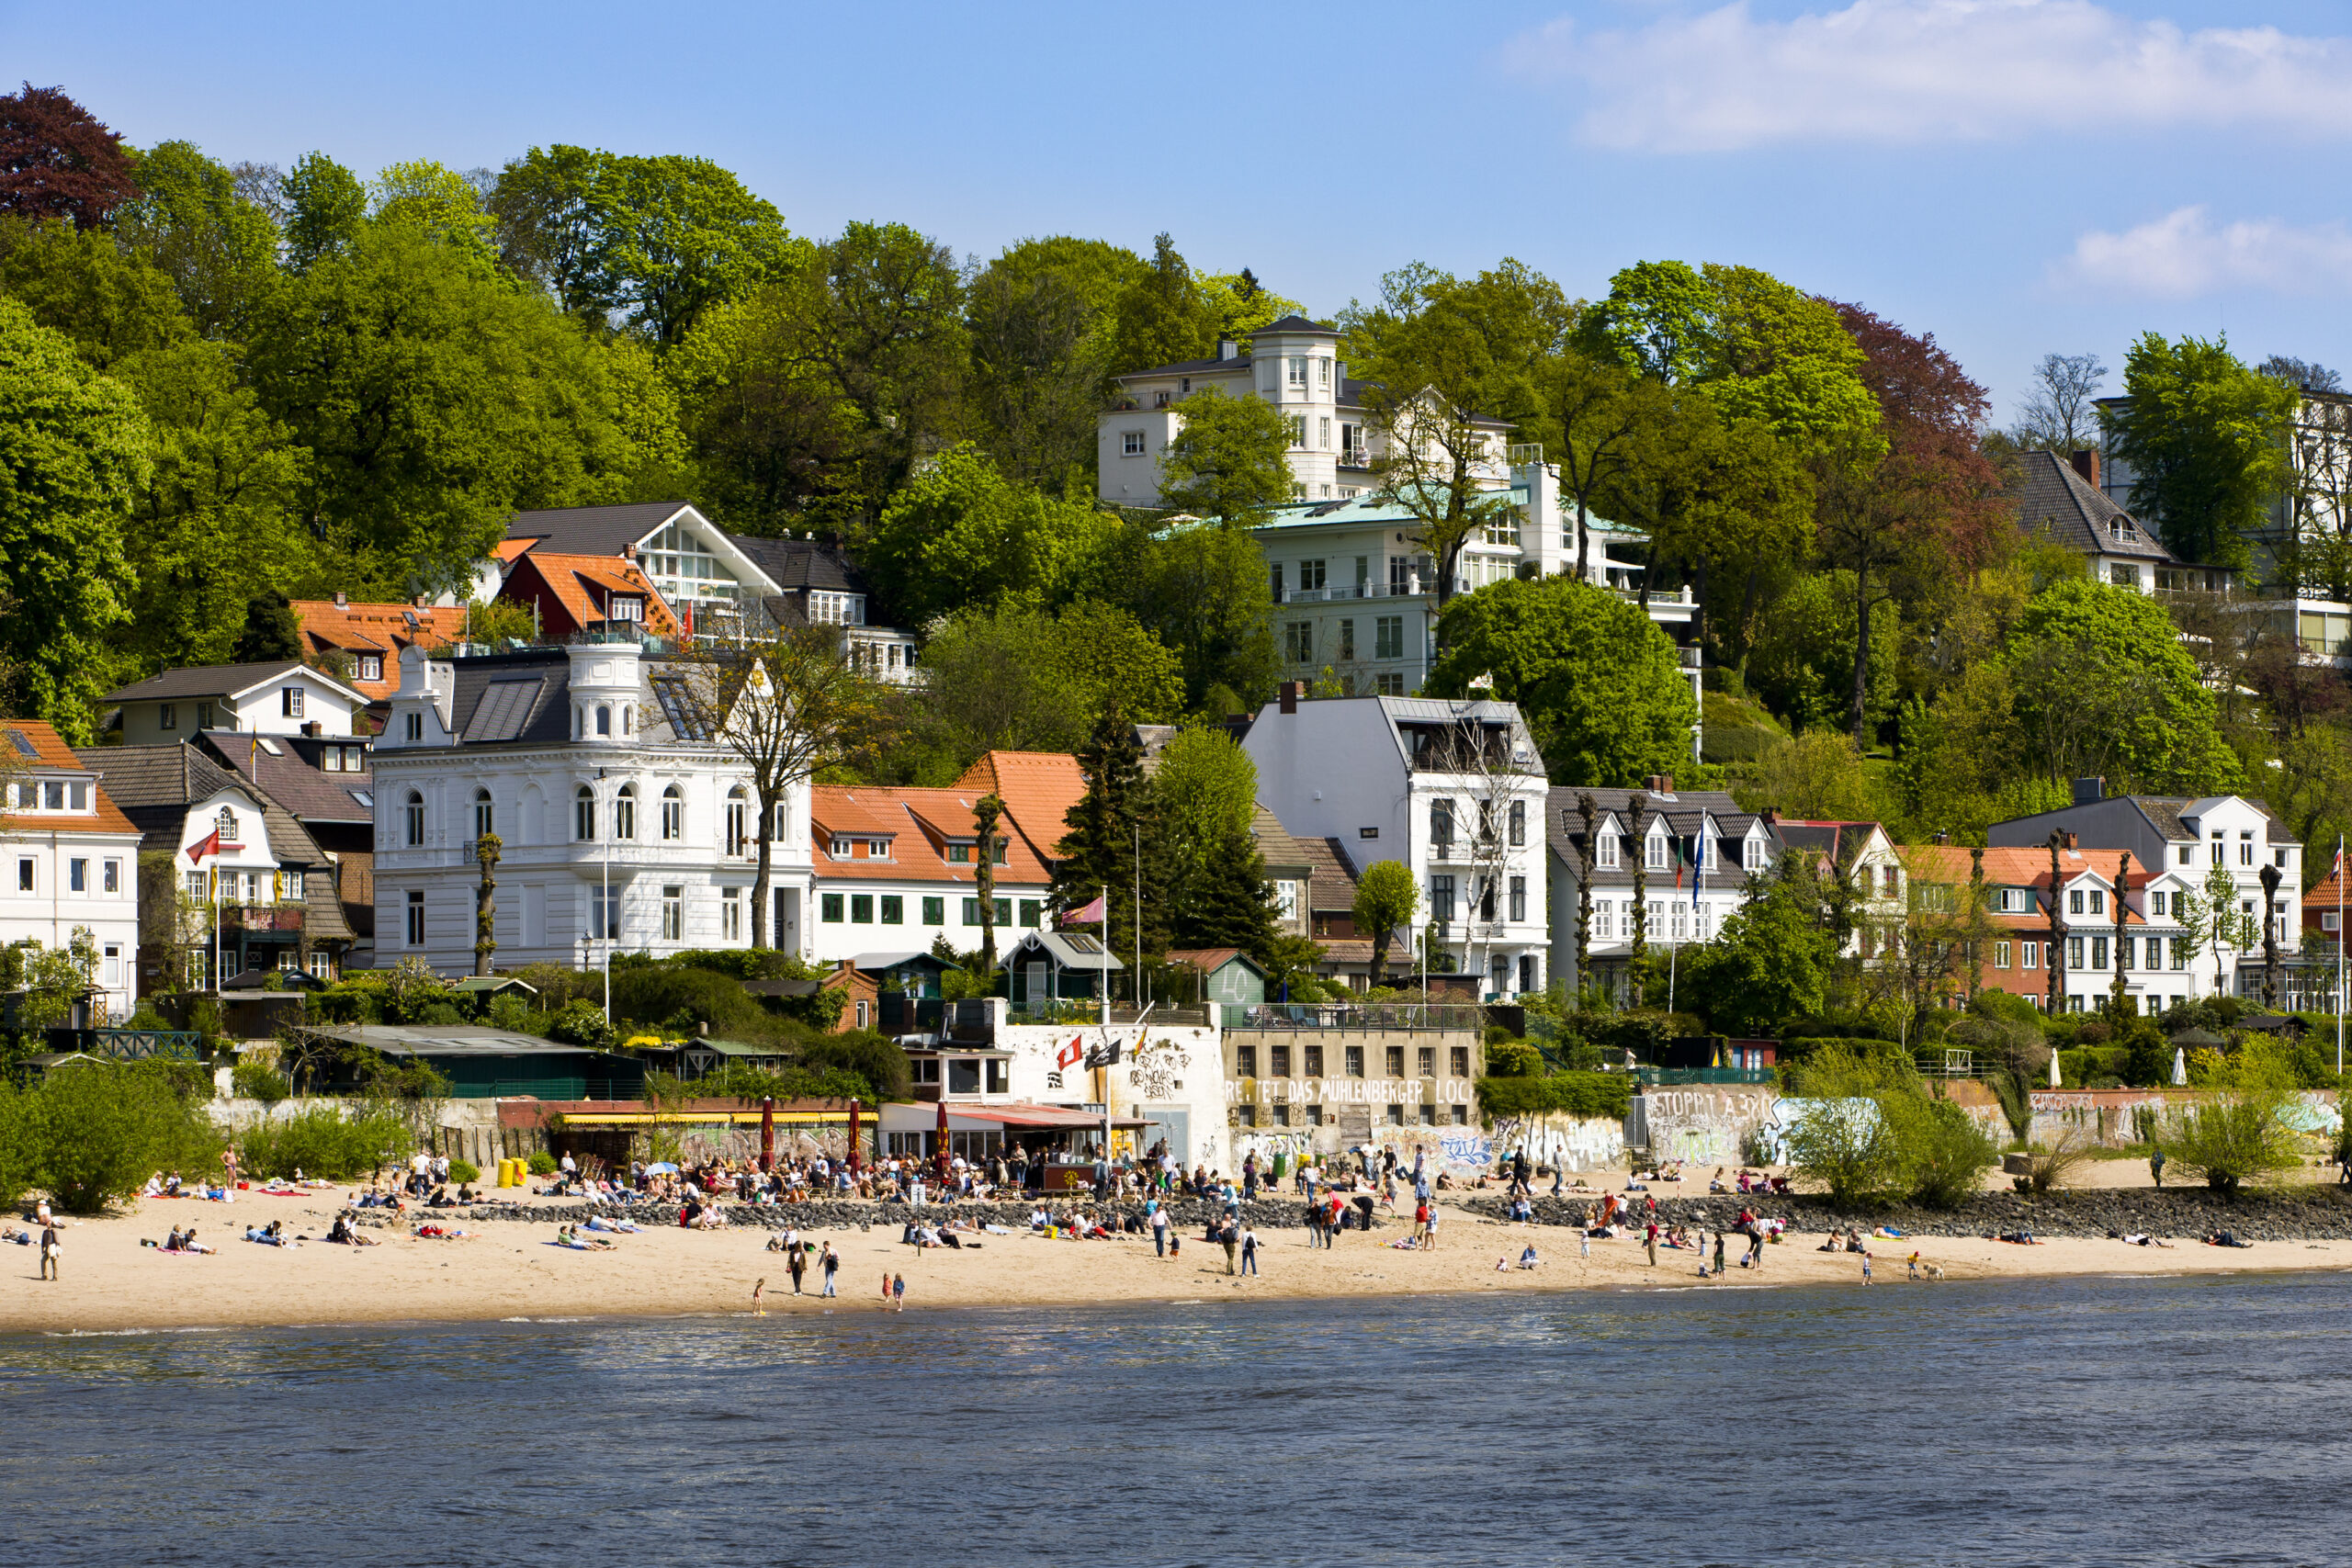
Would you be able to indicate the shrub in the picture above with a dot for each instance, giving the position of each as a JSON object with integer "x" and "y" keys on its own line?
{"x": 2049, "y": 1166}
{"x": 319, "y": 1139}
{"x": 1595, "y": 1095}
{"x": 657, "y": 993}
{"x": 1946, "y": 1151}
{"x": 543, "y": 1163}
{"x": 1846, "y": 1139}
{"x": 2238, "y": 1133}
{"x": 874, "y": 1057}
{"x": 99, "y": 1131}
{"x": 259, "y": 1080}
{"x": 516, "y": 1015}
{"x": 464, "y": 1171}
{"x": 19, "y": 1148}
{"x": 1509, "y": 1058}
{"x": 582, "y": 1023}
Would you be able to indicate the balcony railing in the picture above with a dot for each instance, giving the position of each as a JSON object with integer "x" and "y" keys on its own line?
{"x": 285, "y": 917}
{"x": 1412, "y": 590}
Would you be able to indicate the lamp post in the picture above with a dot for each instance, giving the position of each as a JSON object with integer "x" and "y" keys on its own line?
{"x": 604, "y": 920}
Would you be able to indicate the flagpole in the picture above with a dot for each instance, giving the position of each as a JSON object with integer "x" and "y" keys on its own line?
{"x": 2339, "y": 956}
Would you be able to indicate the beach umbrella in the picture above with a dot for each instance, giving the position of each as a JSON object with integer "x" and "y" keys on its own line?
{"x": 767, "y": 1132}
{"x": 852, "y": 1135}
{"x": 662, "y": 1168}
{"x": 939, "y": 1158}
{"x": 2180, "y": 1066}
{"x": 2053, "y": 1069}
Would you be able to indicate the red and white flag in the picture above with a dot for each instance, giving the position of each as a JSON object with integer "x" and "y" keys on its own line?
{"x": 204, "y": 846}
{"x": 1069, "y": 1053}
{"x": 1088, "y": 916}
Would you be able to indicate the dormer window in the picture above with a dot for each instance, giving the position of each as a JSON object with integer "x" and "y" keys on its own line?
{"x": 840, "y": 847}
{"x": 624, "y": 607}
{"x": 1608, "y": 851}
{"x": 959, "y": 854}
{"x": 1653, "y": 852}
{"x": 1752, "y": 855}
{"x": 372, "y": 667}
{"x": 227, "y": 826}
{"x": 837, "y": 609}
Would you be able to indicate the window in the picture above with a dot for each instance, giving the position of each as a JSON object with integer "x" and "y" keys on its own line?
{"x": 2279, "y": 858}
{"x": 1752, "y": 855}
{"x": 2218, "y": 853}
{"x": 1890, "y": 881}
{"x": 2155, "y": 959}
{"x": 1245, "y": 1061}
{"x": 1032, "y": 912}
{"x": 1281, "y": 1061}
{"x": 1388, "y": 637}
{"x": 625, "y": 813}
{"x": 1458, "y": 1059}
{"x": 1347, "y": 641}
{"x": 482, "y": 814}
{"x": 959, "y": 854}
{"x": 1442, "y": 824}
{"x": 2099, "y": 953}
{"x": 415, "y": 931}
{"x": 2123, "y": 575}
{"x": 1310, "y": 574}
{"x": 1518, "y": 823}
{"x": 1298, "y": 422}
{"x": 2246, "y": 849}
{"x": 736, "y": 840}
{"x": 935, "y": 912}
{"x": 583, "y": 815}
{"x": 1313, "y": 1056}
{"x": 1441, "y": 898}
{"x": 1323, "y": 437}
{"x": 289, "y": 702}
{"x": 971, "y": 911}
{"x": 1396, "y": 1061}
{"x": 1298, "y": 641}
{"x": 1131, "y": 444}
{"x": 673, "y": 814}
{"x": 1519, "y": 898}
{"x": 731, "y": 914}
{"x": 52, "y": 794}
{"x": 413, "y": 818}
{"x": 673, "y": 914}
{"x": 2000, "y": 955}
{"x": 371, "y": 666}
{"x": 2074, "y": 901}
{"x": 2181, "y": 953}
{"x": 894, "y": 909}
{"x": 1274, "y": 580}
{"x": 604, "y": 912}
{"x": 2098, "y": 902}
{"x": 1654, "y": 851}
{"x": 204, "y": 715}
{"x": 861, "y": 909}
{"x": 2074, "y": 952}
{"x": 167, "y": 715}
{"x": 2029, "y": 955}
{"x": 415, "y": 726}
{"x": 624, "y": 607}
{"x": 1388, "y": 685}
{"x": 113, "y": 876}
{"x": 2157, "y": 903}
{"x": 1355, "y": 1061}
{"x": 604, "y": 720}
{"x": 830, "y": 908}
{"x": 1323, "y": 372}
{"x": 1298, "y": 370}
{"x": 25, "y": 875}
{"x": 77, "y": 876}
{"x": 2331, "y": 921}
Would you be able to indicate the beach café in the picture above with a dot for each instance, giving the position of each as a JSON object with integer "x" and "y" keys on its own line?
{"x": 1066, "y": 1138}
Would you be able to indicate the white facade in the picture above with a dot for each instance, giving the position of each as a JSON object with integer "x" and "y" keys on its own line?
{"x": 284, "y": 702}
{"x": 1385, "y": 775}
{"x": 602, "y": 801}
{"x": 1716, "y": 847}
{"x": 68, "y": 865}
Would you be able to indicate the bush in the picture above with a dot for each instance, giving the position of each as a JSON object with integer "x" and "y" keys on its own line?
{"x": 1947, "y": 1153}
{"x": 463, "y": 1170}
{"x": 2049, "y": 1166}
{"x": 581, "y": 1022}
{"x": 543, "y": 1163}
{"x": 873, "y": 1058}
{"x": 2238, "y": 1133}
{"x": 1509, "y": 1058}
{"x": 1594, "y": 1096}
{"x": 1846, "y": 1140}
{"x": 259, "y": 1080}
{"x": 319, "y": 1139}
{"x": 656, "y": 994}
{"x": 99, "y": 1131}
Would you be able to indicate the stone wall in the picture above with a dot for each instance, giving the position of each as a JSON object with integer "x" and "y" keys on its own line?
{"x": 2320, "y": 1213}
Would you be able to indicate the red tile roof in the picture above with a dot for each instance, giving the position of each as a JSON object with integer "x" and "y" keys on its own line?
{"x": 1038, "y": 789}
{"x": 52, "y": 753}
{"x": 920, "y": 822}
{"x": 583, "y": 585}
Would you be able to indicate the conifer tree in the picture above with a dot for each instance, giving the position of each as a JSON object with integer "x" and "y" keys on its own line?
{"x": 1114, "y": 841}
{"x": 1233, "y": 902}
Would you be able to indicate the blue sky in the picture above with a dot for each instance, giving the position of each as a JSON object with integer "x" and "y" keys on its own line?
{"x": 2014, "y": 176}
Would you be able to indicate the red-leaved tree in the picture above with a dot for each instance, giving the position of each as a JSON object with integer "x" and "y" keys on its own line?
{"x": 57, "y": 161}
{"x": 1917, "y": 491}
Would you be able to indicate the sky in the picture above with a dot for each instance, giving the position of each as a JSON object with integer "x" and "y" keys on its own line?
{"x": 2016, "y": 177}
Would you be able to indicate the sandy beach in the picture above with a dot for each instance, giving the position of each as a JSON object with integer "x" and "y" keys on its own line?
{"x": 511, "y": 1270}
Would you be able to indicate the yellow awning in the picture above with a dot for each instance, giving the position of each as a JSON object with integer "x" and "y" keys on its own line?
{"x": 697, "y": 1118}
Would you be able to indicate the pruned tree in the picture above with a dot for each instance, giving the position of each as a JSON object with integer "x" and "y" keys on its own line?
{"x": 1587, "y": 811}
{"x": 2060, "y": 413}
{"x": 1385, "y": 900}
{"x": 486, "y": 849}
{"x": 987, "y": 812}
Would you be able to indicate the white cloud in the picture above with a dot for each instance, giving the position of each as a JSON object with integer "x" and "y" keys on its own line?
{"x": 1928, "y": 71}
{"x": 2185, "y": 253}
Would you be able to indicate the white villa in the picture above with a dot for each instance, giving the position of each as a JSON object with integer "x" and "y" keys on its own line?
{"x": 71, "y": 863}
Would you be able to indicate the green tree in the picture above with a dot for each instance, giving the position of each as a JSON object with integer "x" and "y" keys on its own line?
{"x": 1803, "y": 661}
{"x": 2204, "y": 436}
{"x": 219, "y": 249}
{"x": 438, "y": 203}
{"x": 1036, "y": 375}
{"x": 1598, "y": 683}
{"x": 1203, "y": 591}
{"x": 325, "y": 205}
{"x": 1208, "y": 789}
{"x": 1013, "y": 677}
{"x": 73, "y": 449}
{"x": 110, "y": 301}
{"x": 1599, "y": 421}
{"x": 1769, "y": 963}
{"x": 1819, "y": 776}
{"x": 1845, "y": 1140}
{"x": 272, "y": 631}
{"x": 961, "y": 535}
{"x": 1239, "y": 304}
{"x": 1114, "y": 846}
{"x": 1230, "y": 459}
{"x": 1163, "y": 317}
{"x": 1387, "y": 899}
{"x": 1227, "y": 902}
{"x": 100, "y": 1130}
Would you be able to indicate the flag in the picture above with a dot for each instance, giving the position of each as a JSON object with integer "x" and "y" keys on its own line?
{"x": 1069, "y": 1053}
{"x": 1698, "y": 862}
{"x": 1088, "y": 916}
{"x": 690, "y": 619}
{"x": 207, "y": 846}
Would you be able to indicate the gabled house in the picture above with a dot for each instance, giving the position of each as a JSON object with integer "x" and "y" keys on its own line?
{"x": 1047, "y": 966}
{"x": 573, "y": 593}
{"x": 1862, "y": 856}
{"x": 2115, "y": 916}
{"x": 819, "y": 585}
{"x": 1038, "y": 788}
{"x": 69, "y": 861}
{"x": 2059, "y": 500}
{"x": 1229, "y": 976}
{"x": 1696, "y": 851}
{"x": 900, "y": 867}
{"x": 693, "y": 567}
{"x": 327, "y": 786}
{"x": 367, "y": 639}
{"x": 282, "y": 697}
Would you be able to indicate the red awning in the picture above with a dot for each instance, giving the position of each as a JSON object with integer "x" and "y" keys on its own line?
{"x": 1037, "y": 1116}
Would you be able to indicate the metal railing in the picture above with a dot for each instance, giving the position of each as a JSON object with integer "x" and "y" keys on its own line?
{"x": 1367, "y": 1018}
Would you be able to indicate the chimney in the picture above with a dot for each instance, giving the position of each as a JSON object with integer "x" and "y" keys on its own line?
{"x": 1288, "y": 691}
{"x": 2070, "y": 843}
{"x": 313, "y": 728}
{"x": 1771, "y": 817}
{"x": 2087, "y": 465}
{"x": 340, "y": 600}
{"x": 628, "y": 552}
{"x": 1666, "y": 783}
{"x": 1227, "y": 349}
{"x": 418, "y": 602}
{"x": 2089, "y": 792}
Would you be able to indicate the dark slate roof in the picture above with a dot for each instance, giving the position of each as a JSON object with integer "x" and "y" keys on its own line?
{"x": 1332, "y": 885}
{"x": 312, "y": 794}
{"x": 155, "y": 784}
{"x": 1563, "y": 823}
{"x": 593, "y": 530}
{"x": 202, "y": 680}
{"x": 1296, "y": 323}
{"x": 805, "y": 563}
{"x": 1239, "y": 362}
{"x": 2076, "y": 513}
{"x": 324, "y": 920}
{"x": 513, "y": 697}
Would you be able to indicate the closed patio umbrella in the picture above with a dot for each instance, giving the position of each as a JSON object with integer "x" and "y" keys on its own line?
{"x": 852, "y": 1135}
{"x": 939, "y": 1158}
{"x": 767, "y": 1134}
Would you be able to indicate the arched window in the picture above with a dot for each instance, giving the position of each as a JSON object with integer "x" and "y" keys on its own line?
{"x": 628, "y": 714}
{"x": 604, "y": 720}
{"x": 583, "y": 815}
{"x": 674, "y": 813}
{"x": 739, "y": 810}
{"x": 227, "y": 824}
{"x": 483, "y": 816}
{"x": 414, "y": 814}
{"x": 625, "y": 813}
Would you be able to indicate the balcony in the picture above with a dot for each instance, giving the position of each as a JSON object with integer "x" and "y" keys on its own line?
{"x": 253, "y": 919}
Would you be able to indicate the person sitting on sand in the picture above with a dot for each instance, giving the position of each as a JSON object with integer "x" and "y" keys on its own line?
{"x": 568, "y": 1236}
{"x": 269, "y": 1236}
{"x": 607, "y": 1222}
{"x": 1527, "y": 1260}
{"x": 2020, "y": 1239}
{"x": 174, "y": 1242}
{"x": 189, "y": 1244}
{"x": 2225, "y": 1239}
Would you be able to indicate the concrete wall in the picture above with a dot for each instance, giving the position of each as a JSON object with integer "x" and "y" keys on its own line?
{"x": 1711, "y": 1123}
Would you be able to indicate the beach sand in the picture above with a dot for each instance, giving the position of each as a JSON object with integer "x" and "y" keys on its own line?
{"x": 512, "y": 1270}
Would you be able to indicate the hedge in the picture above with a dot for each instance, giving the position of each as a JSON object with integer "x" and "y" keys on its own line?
{"x": 1591, "y": 1095}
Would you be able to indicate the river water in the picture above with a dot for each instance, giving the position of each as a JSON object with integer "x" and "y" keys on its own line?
{"x": 2104, "y": 1421}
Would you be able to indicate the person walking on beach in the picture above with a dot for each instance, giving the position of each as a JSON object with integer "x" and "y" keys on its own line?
{"x": 796, "y": 1261}
{"x": 829, "y": 1262}
{"x": 759, "y": 1297}
{"x": 898, "y": 1293}
{"x": 48, "y": 1250}
{"x": 1232, "y": 1241}
{"x": 1248, "y": 1250}
{"x": 1866, "y": 1268}
{"x": 1159, "y": 1228}
{"x": 1719, "y": 1255}
{"x": 1650, "y": 1240}
{"x": 1915, "y": 1263}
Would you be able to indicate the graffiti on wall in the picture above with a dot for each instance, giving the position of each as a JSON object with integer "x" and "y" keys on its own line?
{"x": 1565, "y": 1143}
{"x": 1158, "y": 1066}
{"x": 1705, "y": 1123}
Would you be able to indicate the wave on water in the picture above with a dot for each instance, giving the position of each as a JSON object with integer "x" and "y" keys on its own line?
{"x": 127, "y": 1333}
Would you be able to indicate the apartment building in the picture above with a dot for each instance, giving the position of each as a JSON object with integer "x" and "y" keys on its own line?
{"x": 71, "y": 862}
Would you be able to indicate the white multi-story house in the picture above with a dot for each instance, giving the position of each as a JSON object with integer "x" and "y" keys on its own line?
{"x": 69, "y": 862}
{"x": 1355, "y": 591}
{"x": 1695, "y": 850}
{"x": 623, "y": 827}
{"x": 897, "y": 869}
{"x": 1453, "y": 791}
{"x": 287, "y": 697}
{"x": 2189, "y": 840}
{"x": 2156, "y": 956}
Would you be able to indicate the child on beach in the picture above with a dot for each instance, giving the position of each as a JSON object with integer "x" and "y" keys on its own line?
{"x": 759, "y": 1293}
{"x": 1866, "y": 1268}
{"x": 1915, "y": 1263}
{"x": 898, "y": 1293}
